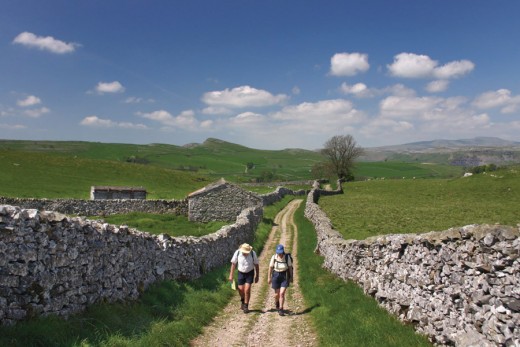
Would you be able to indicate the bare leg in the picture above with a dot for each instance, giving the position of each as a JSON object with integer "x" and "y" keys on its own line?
{"x": 247, "y": 293}
{"x": 282, "y": 296}
{"x": 241, "y": 291}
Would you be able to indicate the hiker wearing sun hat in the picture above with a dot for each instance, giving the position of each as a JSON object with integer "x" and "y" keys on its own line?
{"x": 245, "y": 260}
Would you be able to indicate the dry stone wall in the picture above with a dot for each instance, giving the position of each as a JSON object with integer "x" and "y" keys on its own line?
{"x": 221, "y": 201}
{"x": 100, "y": 207}
{"x": 459, "y": 287}
{"x": 53, "y": 264}
{"x": 278, "y": 194}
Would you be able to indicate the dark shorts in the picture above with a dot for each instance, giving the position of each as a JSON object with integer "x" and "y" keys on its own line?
{"x": 279, "y": 279}
{"x": 246, "y": 277}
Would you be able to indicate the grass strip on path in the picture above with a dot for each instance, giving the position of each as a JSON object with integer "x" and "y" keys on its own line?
{"x": 343, "y": 315}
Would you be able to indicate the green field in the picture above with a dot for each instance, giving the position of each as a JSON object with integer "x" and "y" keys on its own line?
{"x": 168, "y": 224}
{"x": 43, "y": 175}
{"x": 401, "y": 170}
{"x": 408, "y": 206}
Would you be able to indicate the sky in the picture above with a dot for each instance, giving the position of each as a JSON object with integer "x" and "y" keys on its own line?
{"x": 268, "y": 74}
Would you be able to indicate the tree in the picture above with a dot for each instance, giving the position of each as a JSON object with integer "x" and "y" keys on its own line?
{"x": 322, "y": 170}
{"x": 342, "y": 152}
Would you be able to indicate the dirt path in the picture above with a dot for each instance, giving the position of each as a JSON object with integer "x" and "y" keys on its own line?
{"x": 262, "y": 326}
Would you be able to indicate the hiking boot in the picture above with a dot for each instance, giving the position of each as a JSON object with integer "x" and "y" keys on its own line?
{"x": 281, "y": 313}
{"x": 277, "y": 305}
{"x": 246, "y": 308}
{"x": 242, "y": 305}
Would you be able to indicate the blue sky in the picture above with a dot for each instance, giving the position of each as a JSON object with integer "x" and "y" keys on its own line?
{"x": 264, "y": 74}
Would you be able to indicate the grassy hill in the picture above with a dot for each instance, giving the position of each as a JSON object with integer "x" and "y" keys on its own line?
{"x": 67, "y": 169}
{"x": 213, "y": 158}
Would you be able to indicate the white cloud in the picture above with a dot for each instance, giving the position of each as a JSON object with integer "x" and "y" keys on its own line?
{"x": 137, "y": 100}
{"x": 453, "y": 69}
{"x": 437, "y": 86}
{"x": 215, "y": 110}
{"x": 348, "y": 64}
{"x": 405, "y": 107}
{"x": 206, "y": 124}
{"x": 12, "y": 126}
{"x": 47, "y": 43}
{"x": 399, "y": 90}
{"x": 500, "y": 98}
{"x": 30, "y": 100}
{"x": 411, "y": 65}
{"x": 95, "y": 121}
{"x": 109, "y": 87}
{"x": 243, "y": 96}
{"x": 412, "y": 118}
{"x": 295, "y": 124}
{"x": 37, "y": 112}
{"x": 248, "y": 118}
{"x": 359, "y": 90}
{"x": 379, "y": 126}
{"x": 322, "y": 117}
{"x": 185, "y": 120}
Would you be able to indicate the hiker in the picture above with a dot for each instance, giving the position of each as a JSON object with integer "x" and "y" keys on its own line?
{"x": 246, "y": 260}
{"x": 279, "y": 276}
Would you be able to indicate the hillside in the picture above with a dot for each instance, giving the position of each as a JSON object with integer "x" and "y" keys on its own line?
{"x": 68, "y": 168}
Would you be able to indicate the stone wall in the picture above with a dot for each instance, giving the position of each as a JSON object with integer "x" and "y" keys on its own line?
{"x": 459, "y": 287}
{"x": 110, "y": 192}
{"x": 221, "y": 201}
{"x": 278, "y": 194}
{"x": 53, "y": 264}
{"x": 100, "y": 207}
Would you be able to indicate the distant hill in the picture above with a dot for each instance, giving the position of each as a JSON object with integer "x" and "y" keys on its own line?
{"x": 465, "y": 152}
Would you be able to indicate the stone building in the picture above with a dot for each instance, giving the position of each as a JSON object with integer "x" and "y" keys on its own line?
{"x": 107, "y": 192}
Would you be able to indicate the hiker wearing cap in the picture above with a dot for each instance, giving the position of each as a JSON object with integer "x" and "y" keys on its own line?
{"x": 246, "y": 261}
{"x": 279, "y": 276}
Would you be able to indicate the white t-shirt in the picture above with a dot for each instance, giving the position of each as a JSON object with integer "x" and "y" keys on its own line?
{"x": 245, "y": 263}
{"x": 280, "y": 265}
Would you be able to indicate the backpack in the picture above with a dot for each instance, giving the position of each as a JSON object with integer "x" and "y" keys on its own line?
{"x": 287, "y": 257}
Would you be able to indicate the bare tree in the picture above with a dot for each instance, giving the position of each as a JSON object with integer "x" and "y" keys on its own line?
{"x": 342, "y": 152}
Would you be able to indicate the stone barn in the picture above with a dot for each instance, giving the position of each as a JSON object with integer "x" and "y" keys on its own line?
{"x": 106, "y": 192}
{"x": 220, "y": 201}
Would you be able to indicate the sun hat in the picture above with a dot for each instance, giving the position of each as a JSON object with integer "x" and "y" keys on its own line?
{"x": 245, "y": 248}
{"x": 279, "y": 249}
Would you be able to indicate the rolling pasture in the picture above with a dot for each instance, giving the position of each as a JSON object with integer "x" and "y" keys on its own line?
{"x": 408, "y": 206}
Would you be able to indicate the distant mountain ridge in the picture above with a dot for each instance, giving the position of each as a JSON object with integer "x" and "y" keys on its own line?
{"x": 439, "y": 145}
